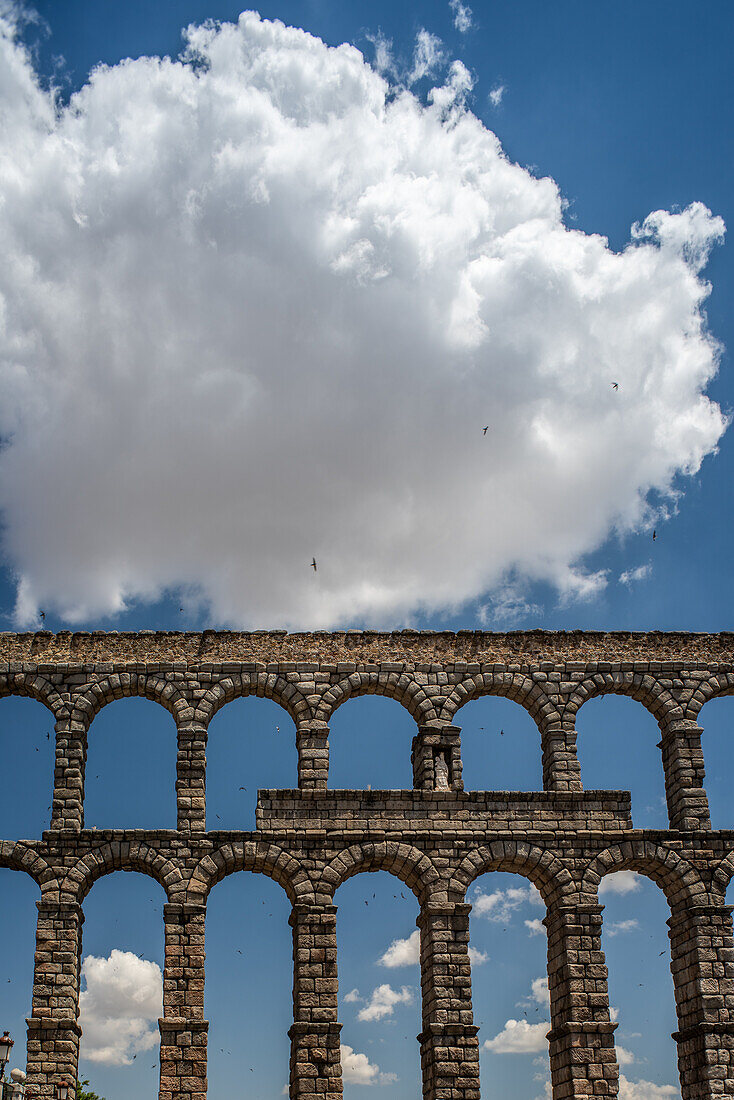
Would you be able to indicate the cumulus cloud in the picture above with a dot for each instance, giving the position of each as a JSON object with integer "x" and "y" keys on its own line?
{"x": 620, "y": 882}
{"x": 402, "y": 952}
{"x": 500, "y": 905}
{"x": 624, "y": 1057}
{"x": 477, "y": 957}
{"x": 614, "y": 928}
{"x": 644, "y": 1090}
{"x": 257, "y": 303}
{"x": 535, "y": 927}
{"x": 383, "y": 1001}
{"x": 519, "y": 1037}
{"x": 462, "y": 16}
{"x": 358, "y": 1070}
{"x": 352, "y": 997}
{"x": 640, "y": 573}
{"x": 497, "y": 94}
{"x": 119, "y": 1008}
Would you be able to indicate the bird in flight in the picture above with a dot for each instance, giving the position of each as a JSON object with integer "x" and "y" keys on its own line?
{"x": 615, "y": 385}
{"x": 485, "y": 430}
{"x": 654, "y": 535}
{"x": 43, "y": 616}
{"x": 313, "y": 564}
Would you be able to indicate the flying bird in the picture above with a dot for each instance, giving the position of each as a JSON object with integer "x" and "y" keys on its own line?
{"x": 654, "y": 535}
{"x": 484, "y": 430}
{"x": 43, "y": 616}
{"x": 313, "y": 565}
{"x": 615, "y": 385}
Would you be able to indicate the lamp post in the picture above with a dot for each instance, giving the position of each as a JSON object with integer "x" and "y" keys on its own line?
{"x": 6, "y": 1045}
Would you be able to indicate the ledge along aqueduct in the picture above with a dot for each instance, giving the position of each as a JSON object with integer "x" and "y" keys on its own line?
{"x": 436, "y": 838}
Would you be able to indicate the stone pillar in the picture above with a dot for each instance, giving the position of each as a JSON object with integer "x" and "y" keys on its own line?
{"x": 53, "y": 1031}
{"x": 312, "y": 742}
{"x": 688, "y": 806}
{"x": 315, "y": 1057}
{"x": 183, "y": 1027}
{"x": 67, "y": 809}
{"x": 581, "y": 1038}
{"x": 448, "y": 1042}
{"x": 702, "y": 962}
{"x": 561, "y": 769}
{"x": 427, "y": 744}
{"x": 191, "y": 778}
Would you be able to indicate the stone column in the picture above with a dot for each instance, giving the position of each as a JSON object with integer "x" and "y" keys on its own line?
{"x": 53, "y": 1031}
{"x": 561, "y": 769}
{"x": 67, "y": 810}
{"x": 448, "y": 1042}
{"x": 191, "y": 778}
{"x": 312, "y": 742}
{"x": 688, "y": 806}
{"x": 581, "y": 1038}
{"x": 427, "y": 744}
{"x": 315, "y": 1057}
{"x": 183, "y": 1027}
{"x": 702, "y": 962}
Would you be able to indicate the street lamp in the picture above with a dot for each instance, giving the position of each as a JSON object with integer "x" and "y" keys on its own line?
{"x": 6, "y": 1045}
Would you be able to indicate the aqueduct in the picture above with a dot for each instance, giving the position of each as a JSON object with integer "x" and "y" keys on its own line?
{"x": 436, "y": 837}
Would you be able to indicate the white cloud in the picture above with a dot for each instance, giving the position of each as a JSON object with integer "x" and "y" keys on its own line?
{"x": 358, "y": 1070}
{"x": 500, "y": 905}
{"x": 402, "y": 952}
{"x": 236, "y": 286}
{"x": 624, "y": 1057}
{"x": 382, "y": 1002}
{"x": 352, "y": 997}
{"x": 620, "y": 882}
{"x": 615, "y": 927}
{"x": 539, "y": 991}
{"x": 428, "y": 56}
{"x": 119, "y": 1008}
{"x": 644, "y": 1090}
{"x": 519, "y": 1037}
{"x": 535, "y": 927}
{"x": 462, "y": 16}
{"x": 640, "y": 573}
{"x": 477, "y": 957}
{"x": 497, "y": 94}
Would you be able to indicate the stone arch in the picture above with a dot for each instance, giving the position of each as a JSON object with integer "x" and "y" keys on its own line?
{"x": 717, "y": 685}
{"x": 639, "y": 686}
{"x": 262, "y": 858}
{"x": 167, "y": 693}
{"x": 407, "y": 863}
{"x": 508, "y": 685}
{"x": 723, "y": 874}
{"x": 262, "y": 684}
{"x": 19, "y": 857}
{"x": 32, "y": 686}
{"x": 401, "y": 687}
{"x": 122, "y": 856}
{"x": 542, "y": 868}
{"x": 678, "y": 880}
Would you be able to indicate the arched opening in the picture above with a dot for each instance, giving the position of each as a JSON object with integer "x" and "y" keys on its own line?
{"x": 251, "y": 747}
{"x": 27, "y": 742}
{"x": 617, "y": 749}
{"x": 130, "y": 777}
{"x": 379, "y": 986}
{"x": 369, "y": 745}
{"x": 122, "y": 986}
{"x": 500, "y": 746}
{"x": 18, "y": 916}
{"x": 717, "y": 741}
{"x": 510, "y": 985}
{"x": 641, "y": 997}
{"x": 248, "y": 993}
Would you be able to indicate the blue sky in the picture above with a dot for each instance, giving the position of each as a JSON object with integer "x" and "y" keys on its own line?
{"x": 627, "y": 107}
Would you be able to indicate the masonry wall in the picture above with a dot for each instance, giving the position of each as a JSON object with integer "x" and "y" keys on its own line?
{"x": 437, "y": 841}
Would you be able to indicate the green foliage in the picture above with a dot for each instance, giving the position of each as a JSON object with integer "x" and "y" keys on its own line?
{"x": 82, "y": 1095}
